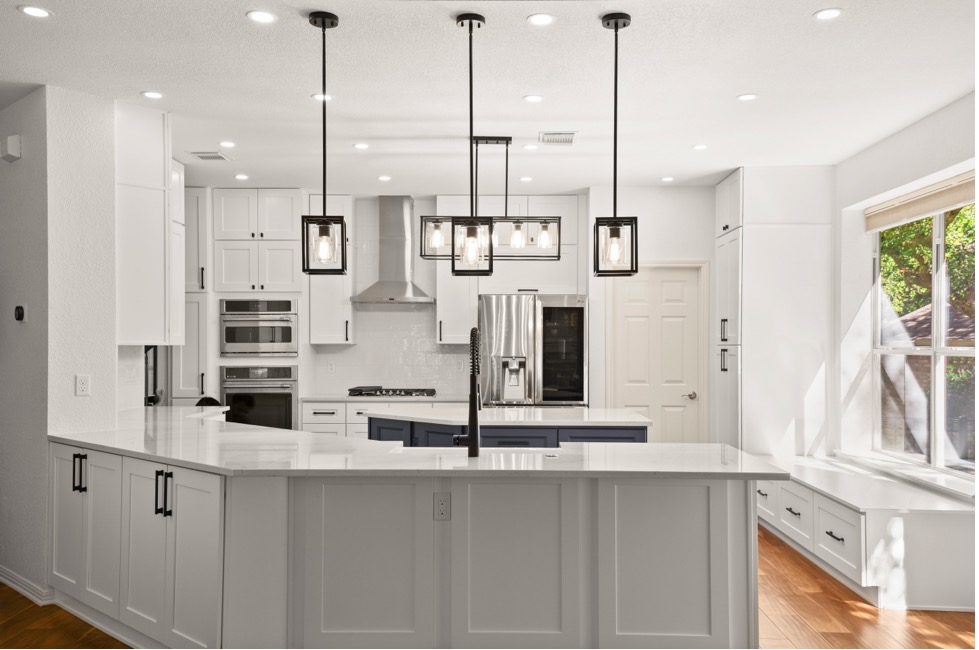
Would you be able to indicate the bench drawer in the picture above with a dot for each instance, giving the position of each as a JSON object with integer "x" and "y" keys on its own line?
{"x": 795, "y": 512}
{"x": 839, "y": 538}
{"x": 324, "y": 413}
{"x": 766, "y": 498}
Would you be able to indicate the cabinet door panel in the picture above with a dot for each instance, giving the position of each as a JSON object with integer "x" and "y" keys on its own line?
{"x": 175, "y": 283}
{"x": 193, "y": 559}
{"x": 189, "y": 361}
{"x": 390, "y": 430}
{"x": 455, "y": 304}
{"x": 235, "y": 266}
{"x": 537, "y": 276}
{"x": 103, "y": 521}
{"x": 279, "y": 213}
{"x": 727, "y": 290}
{"x": 330, "y": 309}
{"x": 67, "y": 516}
{"x": 726, "y": 375}
{"x": 195, "y": 255}
{"x": 142, "y": 235}
{"x": 144, "y": 535}
{"x": 280, "y": 266}
{"x": 235, "y": 214}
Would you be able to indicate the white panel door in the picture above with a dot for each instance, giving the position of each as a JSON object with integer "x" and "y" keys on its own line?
{"x": 727, "y": 311}
{"x": 515, "y": 564}
{"x": 330, "y": 309}
{"x": 564, "y": 206}
{"x": 194, "y": 551}
{"x": 175, "y": 284}
{"x": 726, "y": 375}
{"x": 235, "y": 213}
{"x": 195, "y": 256}
{"x": 102, "y": 480}
{"x": 280, "y": 266}
{"x": 144, "y": 537}
{"x": 279, "y": 214}
{"x": 235, "y": 266}
{"x": 657, "y": 346}
{"x": 369, "y": 563}
{"x": 67, "y": 523}
{"x": 189, "y": 361}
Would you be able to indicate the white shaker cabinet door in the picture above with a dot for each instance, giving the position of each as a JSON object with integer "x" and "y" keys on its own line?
{"x": 235, "y": 266}
{"x": 68, "y": 527}
{"x": 175, "y": 283}
{"x": 189, "y": 361}
{"x": 279, "y": 214}
{"x": 330, "y": 310}
{"x": 280, "y": 266}
{"x": 727, "y": 403}
{"x": 235, "y": 214}
{"x": 195, "y": 256}
{"x": 728, "y": 204}
{"x": 727, "y": 306}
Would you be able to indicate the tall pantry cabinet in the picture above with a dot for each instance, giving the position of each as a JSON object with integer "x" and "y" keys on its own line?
{"x": 771, "y": 321}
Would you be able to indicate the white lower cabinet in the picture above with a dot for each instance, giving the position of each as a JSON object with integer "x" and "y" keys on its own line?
{"x": 839, "y": 538}
{"x": 85, "y": 525}
{"x": 726, "y": 378}
{"x": 795, "y": 512}
{"x": 766, "y": 500}
{"x": 172, "y": 549}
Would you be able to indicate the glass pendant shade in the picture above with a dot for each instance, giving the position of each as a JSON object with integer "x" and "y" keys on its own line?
{"x": 324, "y": 249}
{"x": 436, "y": 238}
{"x": 472, "y": 246}
{"x": 616, "y": 249}
{"x": 527, "y": 238}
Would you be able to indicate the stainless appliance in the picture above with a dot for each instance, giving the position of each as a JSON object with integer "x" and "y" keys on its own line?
{"x": 262, "y": 395}
{"x": 380, "y": 391}
{"x": 265, "y": 328}
{"x": 534, "y": 349}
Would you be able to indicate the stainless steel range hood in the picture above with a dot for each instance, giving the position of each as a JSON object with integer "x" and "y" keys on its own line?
{"x": 396, "y": 256}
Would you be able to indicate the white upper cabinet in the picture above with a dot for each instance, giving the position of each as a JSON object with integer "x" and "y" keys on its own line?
{"x": 534, "y": 276}
{"x": 142, "y": 146}
{"x": 280, "y": 214}
{"x": 235, "y": 214}
{"x": 195, "y": 253}
{"x": 728, "y": 203}
{"x": 235, "y": 265}
{"x": 492, "y": 206}
{"x": 280, "y": 266}
{"x": 257, "y": 265}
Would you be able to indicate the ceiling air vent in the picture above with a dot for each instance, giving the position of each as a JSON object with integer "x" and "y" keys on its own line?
{"x": 565, "y": 138}
{"x": 209, "y": 155}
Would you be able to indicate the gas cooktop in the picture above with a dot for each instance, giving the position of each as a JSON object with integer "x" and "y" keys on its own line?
{"x": 380, "y": 391}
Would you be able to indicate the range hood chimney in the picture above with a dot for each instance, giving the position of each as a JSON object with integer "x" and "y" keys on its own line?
{"x": 396, "y": 256}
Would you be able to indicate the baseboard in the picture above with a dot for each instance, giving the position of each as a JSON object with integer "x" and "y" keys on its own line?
{"x": 867, "y": 593}
{"x": 40, "y": 595}
{"x": 107, "y": 624}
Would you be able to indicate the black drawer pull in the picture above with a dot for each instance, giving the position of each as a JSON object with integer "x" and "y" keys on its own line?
{"x": 324, "y": 412}
{"x": 724, "y": 329}
{"x": 157, "y": 510}
{"x": 830, "y": 533}
{"x": 202, "y": 277}
{"x": 793, "y": 512}
{"x": 514, "y": 443}
{"x": 764, "y": 494}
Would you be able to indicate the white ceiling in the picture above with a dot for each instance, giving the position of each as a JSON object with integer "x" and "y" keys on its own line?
{"x": 397, "y": 70}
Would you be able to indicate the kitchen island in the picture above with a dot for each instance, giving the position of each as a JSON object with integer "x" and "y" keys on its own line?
{"x": 241, "y": 536}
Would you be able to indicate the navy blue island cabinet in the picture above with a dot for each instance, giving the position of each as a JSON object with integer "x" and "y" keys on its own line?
{"x": 423, "y": 434}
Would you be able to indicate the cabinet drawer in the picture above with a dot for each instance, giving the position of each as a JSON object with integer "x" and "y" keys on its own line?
{"x": 324, "y": 413}
{"x": 766, "y": 498}
{"x": 357, "y": 431}
{"x": 355, "y": 412}
{"x": 332, "y": 429}
{"x": 517, "y": 437}
{"x": 795, "y": 513}
{"x": 839, "y": 537}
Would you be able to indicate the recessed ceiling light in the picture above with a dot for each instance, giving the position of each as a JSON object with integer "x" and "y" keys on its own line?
{"x": 700, "y": 147}
{"x": 533, "y": 99}
{"x": 263, "y": 17}
{"x": 526, "y": 179}
{"x": 530, "y": 147}
{"x": 320, "y": 97}
{"x": 361, "y": 145}
{"x": 241, "y": 177}
{"x": 828, "y": 14}
{"x": 667, "y": 179}
{"x": 36, "y": 12}
{"x": 227, "y": 144}
{"x": 748, "y": 97}
{"x": 384, "y": 179}
{"x": 540, "y": 19}
{"x": 151, "y": 94}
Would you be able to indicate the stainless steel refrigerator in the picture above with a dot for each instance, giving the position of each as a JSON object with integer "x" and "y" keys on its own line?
{"x": 534, "y": 350}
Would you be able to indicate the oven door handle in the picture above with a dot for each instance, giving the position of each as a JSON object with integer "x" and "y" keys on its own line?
{"x": 258, "y": 319}
{"x": 237, "y": 386}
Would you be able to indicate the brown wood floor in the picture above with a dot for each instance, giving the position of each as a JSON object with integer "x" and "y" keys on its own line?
{"x": 800, "y": 606}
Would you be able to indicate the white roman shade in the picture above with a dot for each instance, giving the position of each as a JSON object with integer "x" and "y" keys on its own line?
{"x": 938, "y": 197}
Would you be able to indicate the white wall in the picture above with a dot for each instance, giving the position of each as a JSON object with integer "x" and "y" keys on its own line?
{"x": 24, "y": 346}
{"x": 938, "y": 146}
{"x": 675, "y": 224}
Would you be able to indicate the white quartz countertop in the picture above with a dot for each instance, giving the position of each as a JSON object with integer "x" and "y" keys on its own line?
{"x": 336, "y": 397}
{"x": 514, "y": 416}
{"x": 195, "y": 438}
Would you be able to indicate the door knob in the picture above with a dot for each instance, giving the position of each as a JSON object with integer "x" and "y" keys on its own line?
{"x": 691, "y": 395}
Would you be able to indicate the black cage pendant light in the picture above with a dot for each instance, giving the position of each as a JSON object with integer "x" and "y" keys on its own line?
{"x": 616, "y": 247}
{"x": 324, "y": 237}
{"x": 471, "y": 240}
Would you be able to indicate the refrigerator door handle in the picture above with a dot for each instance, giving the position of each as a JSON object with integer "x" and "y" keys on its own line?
{"x": 538, "y": 352}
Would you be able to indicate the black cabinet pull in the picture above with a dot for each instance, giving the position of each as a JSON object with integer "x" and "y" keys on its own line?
{"x": 327, "y": 413}
{"x": 82, "y": 458}
{"x": 74, "y": 472}
{"x": 346, "y": 330}
{"x": 830, "y": 533}
{"x": 440, "y": 330}
{"x": 725, "y": 227}
{"x": 202, "y": 278}
{"x": 202, "y": 383}
{"x": 528, "y": 290}
{"x": 261, "y": 286}
{"x": 514, "y": 443}
{"x": 261, "y": 234}
{"x": 764, "y": 494}
{"x": 724, "y": 329}
{"x": 793, "y": 512}
{"x": 723, "y": 359}
{"x": 157, "y": 510}
{"x": 253, "y": 234}
{"x": 167, "y": 510}
{"x": 253, "y": 286}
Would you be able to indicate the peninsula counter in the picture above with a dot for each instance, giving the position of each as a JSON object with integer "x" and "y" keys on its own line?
{"x": 239, "y": 536}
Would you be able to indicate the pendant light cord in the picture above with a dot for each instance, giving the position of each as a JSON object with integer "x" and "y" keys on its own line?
{"x": 615, "y": 131}
{"x": 472, "y": 178}
{"x": 323, "y": 91}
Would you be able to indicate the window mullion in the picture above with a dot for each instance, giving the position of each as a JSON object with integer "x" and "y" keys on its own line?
{"x": 938, "y": 290}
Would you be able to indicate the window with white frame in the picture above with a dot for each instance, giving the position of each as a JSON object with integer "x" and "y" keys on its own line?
{"x": 925, "y": 338}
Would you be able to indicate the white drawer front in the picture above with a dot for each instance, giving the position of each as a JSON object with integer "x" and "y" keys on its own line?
{"x": 355, "y": 412}
{"x": 331, "y": 429}
{"x": 766, "y": 497}
{"x": 324, "y": 412}
{"x": 357, "y": 431}
{"x": 839, "y": 537}
{"x": 795, "y": 512}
